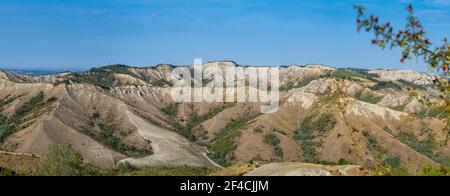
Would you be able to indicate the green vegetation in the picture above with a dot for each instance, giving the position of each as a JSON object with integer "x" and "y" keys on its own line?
{"x": 373, "y": 145}
{"x": 271, "y": 139}
{"x": 346, "y": 74}
{"x": 423, "y": 147}
{"x": 197, "y": 120}
{"x": 388, "y": 130}
{"x": 223, "y": 145}
{"x": 429, "y": 170}
{"x": 170, "y": 110}
{"x": 102, "y": 77}
{"x": 391, "y": 166}
{"x": 125, "y": 169}
{"x": 162, "y": 83}
{"x": 117, "y": 68}
{"x": 308, "y": 130}
{"x": 278, "y": 151}
{"x": 325, "y": 123}
{"x": 62, "y": 160}
{"x": 292, "y": 85}
{"x": 385, "y": 85}
{"x": 96, "y": 115}
{"x": 412, "y": 85}
{"x": 7, "y": 172}
{"x": 392, "y": 161}
{"x": 108, "y": 138}
{"x": 369, "y": 98}
{"x": 194, "y": 121}
{"x": 28, "y": 111}
{"x": 7, "y": 100}
{"x": 343, "y": 161}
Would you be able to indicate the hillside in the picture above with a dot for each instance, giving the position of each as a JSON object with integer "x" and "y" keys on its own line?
{"x": 327, "y": 116}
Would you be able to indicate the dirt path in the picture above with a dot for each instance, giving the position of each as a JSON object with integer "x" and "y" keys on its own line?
{"x": 170, "y": 149}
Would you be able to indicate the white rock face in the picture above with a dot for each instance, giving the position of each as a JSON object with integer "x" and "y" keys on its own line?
{"x": 394, "y": 100}
{"x": 306, "y": 100}
{"x": 408, "y": 75}
{"x": 370, "y": 110}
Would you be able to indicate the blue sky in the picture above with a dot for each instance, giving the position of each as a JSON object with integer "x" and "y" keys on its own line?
{"x": 79, "y": 34}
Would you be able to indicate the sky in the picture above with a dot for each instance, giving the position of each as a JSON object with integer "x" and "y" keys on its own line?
{"x": 80, "y": 34}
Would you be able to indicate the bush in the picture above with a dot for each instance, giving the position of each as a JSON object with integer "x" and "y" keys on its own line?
{"x": 369, "y": 98}
{"x": 223, "y": 144}
{"x": 96, "y": 115}
{"x": 429, "y": 170}
{"x": 7, "y": 172}
{"x": 62, "y": 160}
{"x": 165, "y": 171}
{"x": 271, "y": 139}
{"x": 385, "y": 85}
{"x": 412, "y": 85}
{"x": 170, "y": 110}
{"x": 346, "y": 74}
{"x": 278, "y": 151}
{"x": 326, "y": 123}
{"x": 392, "y": 161}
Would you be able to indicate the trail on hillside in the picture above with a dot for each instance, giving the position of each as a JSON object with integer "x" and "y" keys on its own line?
{"x": 169, "y": 148}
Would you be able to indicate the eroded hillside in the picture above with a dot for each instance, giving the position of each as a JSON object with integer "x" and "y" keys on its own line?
{"x": 122, "y": 114}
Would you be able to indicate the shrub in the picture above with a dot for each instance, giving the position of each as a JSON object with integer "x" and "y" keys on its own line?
{"x": 96, "y": 115}
{"x": 384, "y": 85}
{"x": 429, "y": 170}
{"x": 62, "y": 160}
{"x": 346, "y": 74}
{"x": 369, "y": 98}
{"x": 392, "y": 161}
{"x": 224, "y": 142}
{"x": 343, "y": 161}
{"x": 412, "y": 85}
{"x": 108, "y": 138}
{"x": 271, "y": 139}
{"x": 325, "y": 123}
{"x": 165, "y": 171}
{"x": 170, "y": 110}
{"x": 278, "y": 151}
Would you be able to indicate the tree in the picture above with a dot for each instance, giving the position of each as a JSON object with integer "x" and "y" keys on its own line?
{"x": 413, "y": 43}
{"x": 62, "y": 160}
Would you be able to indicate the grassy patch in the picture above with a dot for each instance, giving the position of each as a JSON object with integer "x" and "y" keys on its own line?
{"x": 346, "y": 74}
{"x": 271, "y": 139}
{"x": 292, "y": 85}
{"x": 385, "y": 85}
{"x": 162, "y": 83}
{"x": 108, "y": 138}
{"x": 423, "y": 147}
{"x": 412, "y": 85}
{"x": 125, "y": 169}
{"x": 170, "y": 110}
{"x": 278, "y": 151}
{"x": 27, "y": 112}
{"x": 223, "y": 145}
{"x": 368, "y": 98}
{"x": 308, "y": 130}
